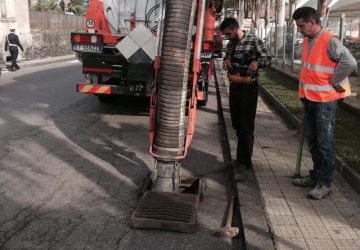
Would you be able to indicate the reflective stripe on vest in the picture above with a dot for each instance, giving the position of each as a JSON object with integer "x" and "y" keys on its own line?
{"x": 317, "y": 70}
{"x": 10, "y": 44}
{"x": 320, "y": 68}
{"x": 316, "y": 87}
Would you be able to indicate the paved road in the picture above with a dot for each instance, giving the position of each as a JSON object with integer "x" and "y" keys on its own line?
{"x": 70, "y": 168}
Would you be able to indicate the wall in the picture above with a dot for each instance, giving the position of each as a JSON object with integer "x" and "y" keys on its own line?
{"x": 51, "y": 34}
{"x": 53, "y": 21}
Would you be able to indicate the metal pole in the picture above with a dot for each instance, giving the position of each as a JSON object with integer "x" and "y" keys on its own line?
{"x": 299, "y": 149}
{"x": 294, "y": 31}
{"x": 270, "y": 40}
{"x": 280, "y": 6}
{"x": 284, "y": 47}
{"x": 342, "y": 27}
{"x": 276, "y": 41}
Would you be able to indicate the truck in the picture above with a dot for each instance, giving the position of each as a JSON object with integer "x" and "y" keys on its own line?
{"x": 119, "y": 46}
{"x": 163, "y": 49}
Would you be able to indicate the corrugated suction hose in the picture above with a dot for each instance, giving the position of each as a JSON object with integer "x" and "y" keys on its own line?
{"x": 173, "y": 79}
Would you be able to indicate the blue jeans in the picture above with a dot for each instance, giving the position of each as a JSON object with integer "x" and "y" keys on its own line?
{"x": 319, "y": 120}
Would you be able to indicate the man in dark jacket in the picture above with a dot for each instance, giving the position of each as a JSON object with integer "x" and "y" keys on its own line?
{"x": 13, "y": 44}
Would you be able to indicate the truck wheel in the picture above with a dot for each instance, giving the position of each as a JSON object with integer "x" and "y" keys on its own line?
{"x": 104, "y": 98}
{"x": 202, "y": 103}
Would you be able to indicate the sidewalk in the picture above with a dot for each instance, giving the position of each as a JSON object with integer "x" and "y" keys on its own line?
{"x": 44, "y": 61}
{"x": 294, "y": 221}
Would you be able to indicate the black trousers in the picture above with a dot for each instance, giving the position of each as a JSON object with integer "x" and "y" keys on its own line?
{"x": 243, "y": 103}
{"x": 14, "y": 55}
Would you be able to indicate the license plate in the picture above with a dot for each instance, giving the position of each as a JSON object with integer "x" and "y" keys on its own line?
{"x": 206, "y": 55}
{"x": 87, "y": 48}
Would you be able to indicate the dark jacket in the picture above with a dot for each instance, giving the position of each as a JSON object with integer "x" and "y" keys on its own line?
{"x": 12, "y": 42}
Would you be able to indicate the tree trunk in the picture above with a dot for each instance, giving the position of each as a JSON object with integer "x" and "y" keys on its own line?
{"x": 280, "y": 25}
{"x": 292, "y": 7}
{"x": 241, "y": 14}
{"x": 267, "y": 13}
{"x": 323, "y": 10}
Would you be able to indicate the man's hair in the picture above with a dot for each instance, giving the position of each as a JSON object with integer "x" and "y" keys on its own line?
{"x": 307, "y": 14}
{"x": 230, "y": 23}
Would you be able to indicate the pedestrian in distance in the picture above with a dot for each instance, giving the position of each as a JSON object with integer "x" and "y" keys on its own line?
{"x": 13, "y": 44}
{"x": 244, "y": 55}
{"x": 325, "y": 67}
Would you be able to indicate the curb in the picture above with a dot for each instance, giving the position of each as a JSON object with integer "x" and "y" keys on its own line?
{"x": 44, "y": 61}
{"x": 349, "y": 175}
{"x": 252, "y": 211}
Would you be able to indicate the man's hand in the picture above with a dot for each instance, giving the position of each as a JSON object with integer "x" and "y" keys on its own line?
{"x": 253, "y": 66}
{"x": 227, "y": 64}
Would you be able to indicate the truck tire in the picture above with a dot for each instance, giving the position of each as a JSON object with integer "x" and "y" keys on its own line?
{"x": 202, "y": 103}
{"x": 104, "y": 98}
{"x": 170, "y": 129}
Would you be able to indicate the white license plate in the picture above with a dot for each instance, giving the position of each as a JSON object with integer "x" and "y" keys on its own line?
{"x": 87, "y": 48}
{"x": 206, "y": 55}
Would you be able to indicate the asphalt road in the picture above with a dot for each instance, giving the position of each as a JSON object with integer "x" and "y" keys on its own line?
{"x": 71, "y": 168}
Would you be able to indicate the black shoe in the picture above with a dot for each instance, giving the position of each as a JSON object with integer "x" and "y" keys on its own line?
{"x": 12, "y": 69}
{"x": 18, "y": 67}
{"x": 304, "y": 182}
{"x": 241, "y": 173}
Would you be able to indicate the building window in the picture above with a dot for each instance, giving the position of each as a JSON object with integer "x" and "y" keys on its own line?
{"x": 2, "y": 9}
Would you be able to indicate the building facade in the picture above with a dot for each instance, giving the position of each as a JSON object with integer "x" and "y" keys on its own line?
{"x": 14, "y": 14}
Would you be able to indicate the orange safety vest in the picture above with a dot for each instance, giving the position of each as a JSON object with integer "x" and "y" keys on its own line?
{"x": 316, "y": 72}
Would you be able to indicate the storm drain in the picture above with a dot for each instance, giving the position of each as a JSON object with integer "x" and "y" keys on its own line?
{"x": 167, "y": 210}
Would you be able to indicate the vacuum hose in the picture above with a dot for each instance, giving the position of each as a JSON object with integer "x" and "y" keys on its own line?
{"x": 173, "y": 79}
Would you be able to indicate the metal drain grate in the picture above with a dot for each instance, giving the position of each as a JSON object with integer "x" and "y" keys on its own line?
{"x": 167, "y": 210}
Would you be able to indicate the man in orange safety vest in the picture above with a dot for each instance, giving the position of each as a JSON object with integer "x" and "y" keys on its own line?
{"x": 325, "y": 67}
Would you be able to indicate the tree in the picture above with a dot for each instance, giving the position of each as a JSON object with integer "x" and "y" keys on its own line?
{"x": 76, "y": 2}
{"x": 62, "y": 5}
{"x": 47, "y": 5}
{"x": 323, "y": 8}
{"x": 254, "y": 9}
{"x": 77, "y": 7}
{"x": 257, "y": 10}
{"x": 78, "y": 10}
